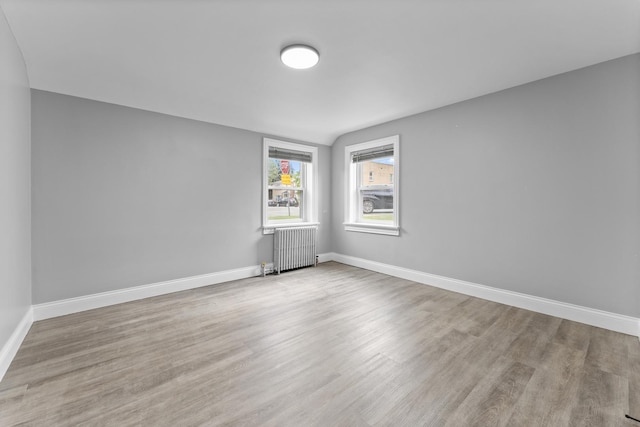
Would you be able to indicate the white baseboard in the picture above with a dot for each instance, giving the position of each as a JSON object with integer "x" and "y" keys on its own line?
{"x": 329, "y": 256}
{"x": 612, "y": 321}
{"x": 88, "y": 302}
{"x": 590, "y": 316}
{"x": 104, "y": 299}
{"x": 10, "y": 348}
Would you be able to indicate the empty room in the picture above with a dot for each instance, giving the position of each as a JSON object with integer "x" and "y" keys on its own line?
{"x": 317, "y": 213}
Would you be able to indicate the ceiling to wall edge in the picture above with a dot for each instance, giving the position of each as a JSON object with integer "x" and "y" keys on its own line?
{"x": 340, "y": 133}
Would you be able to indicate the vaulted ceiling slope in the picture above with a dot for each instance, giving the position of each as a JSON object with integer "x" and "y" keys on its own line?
{"x": 218, "y": 60}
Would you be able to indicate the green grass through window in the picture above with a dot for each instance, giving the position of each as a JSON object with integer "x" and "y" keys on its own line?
{"x": 378, "y": 216}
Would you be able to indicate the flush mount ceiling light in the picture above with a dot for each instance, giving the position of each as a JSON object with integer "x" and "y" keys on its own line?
{"x": 299, "y": 56}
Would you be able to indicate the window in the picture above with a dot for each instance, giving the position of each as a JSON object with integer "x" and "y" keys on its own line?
{"x": 372, "y": 186}
{"x": 289, "y": 180}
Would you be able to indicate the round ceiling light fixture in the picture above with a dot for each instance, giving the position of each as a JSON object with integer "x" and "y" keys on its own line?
{"x": 299, "y": 56}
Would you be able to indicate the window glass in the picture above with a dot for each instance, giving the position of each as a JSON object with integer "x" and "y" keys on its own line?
{"x": 289, "y": 180}
{"x": 376, "y": 192}
{"x": 372, "y": 186}
{"x": 285, "y": 178}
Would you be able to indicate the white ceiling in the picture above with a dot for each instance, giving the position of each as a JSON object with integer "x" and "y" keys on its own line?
{"x": 218, "y": 60}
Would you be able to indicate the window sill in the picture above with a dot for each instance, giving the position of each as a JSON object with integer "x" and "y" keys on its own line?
{"x": 389, "y": 230}
{"x": 270, "y": 229}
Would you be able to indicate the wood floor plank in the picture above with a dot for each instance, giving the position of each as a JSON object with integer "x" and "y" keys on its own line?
{"x": 331, "y": 345}
{"x": 608, "y": 351}
{"x": 601, "y": 400}
{"x": 573, "y": 334}
{"x": 414, "y": 372}
{"x": 548, "y": 397}
{"x": 531, "y": 344}
{"x": 435, "y": 396}
{"x": 633, "y": 351}
{"x": 492, "y": 399}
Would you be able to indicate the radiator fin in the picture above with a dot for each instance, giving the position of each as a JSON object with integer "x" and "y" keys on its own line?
{"x": 294, "y": 247}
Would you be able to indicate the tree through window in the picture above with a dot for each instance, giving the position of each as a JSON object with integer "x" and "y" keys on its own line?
{"x": 289, "y": 183}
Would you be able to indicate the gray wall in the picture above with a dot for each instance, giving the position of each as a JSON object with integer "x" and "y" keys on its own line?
{"x": 124, "y": 197}
{"x": 534, "y": 189}
{"x": 15, "y": 196}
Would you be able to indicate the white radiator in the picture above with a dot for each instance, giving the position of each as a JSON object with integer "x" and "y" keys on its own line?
{"x": 294, "y": 247}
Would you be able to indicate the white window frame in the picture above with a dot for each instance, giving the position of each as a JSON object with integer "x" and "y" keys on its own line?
{"x": 353, "y": 206}
{"x": 309, "y": 186}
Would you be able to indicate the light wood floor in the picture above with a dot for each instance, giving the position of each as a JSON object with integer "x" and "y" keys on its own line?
{"x": 328, "y": 346}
